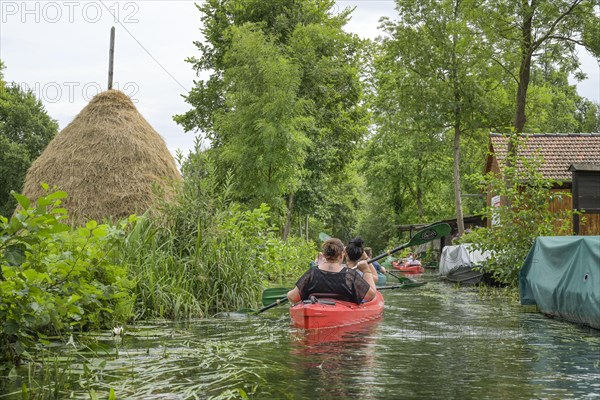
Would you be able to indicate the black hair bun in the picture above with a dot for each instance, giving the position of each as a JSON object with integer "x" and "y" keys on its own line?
{"x": 357, "y": 241}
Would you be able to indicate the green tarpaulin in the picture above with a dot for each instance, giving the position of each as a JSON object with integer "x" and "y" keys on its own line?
{"x": 561, "y": 275}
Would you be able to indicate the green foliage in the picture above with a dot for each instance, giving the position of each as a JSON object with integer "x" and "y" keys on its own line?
{"x": 432, "y": 89}
{"x": 555, "y": 106}
{"x": 56, "y": 278}
{"x": 526, "y": 34}
{"x": 515, "y": 227}
{"x": 262, "y": 123}
{"x": 25, "y": 130}
{"x": 283, "y": 106}
{"x": 447, "y": 68}
{"x": 207, "y": 254}
{"x": 14, "y": 162}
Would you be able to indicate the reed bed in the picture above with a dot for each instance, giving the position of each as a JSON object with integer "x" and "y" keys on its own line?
{"x": 225, "y": 268}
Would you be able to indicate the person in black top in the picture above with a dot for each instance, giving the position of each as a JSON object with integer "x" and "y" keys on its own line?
{"x": 332, "y": 277}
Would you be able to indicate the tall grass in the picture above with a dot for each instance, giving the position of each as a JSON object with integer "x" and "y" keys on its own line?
{"x": 207, "y": 254}
{"x": 171, "y": 283}
{"x": 163, "y": 284}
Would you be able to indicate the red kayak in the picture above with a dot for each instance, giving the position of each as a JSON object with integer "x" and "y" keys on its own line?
{"x": 329, "y": 313}
{"x": 412, "y": 267}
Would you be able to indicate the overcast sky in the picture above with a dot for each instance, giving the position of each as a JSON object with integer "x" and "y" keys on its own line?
{"x": 59, "y": 49}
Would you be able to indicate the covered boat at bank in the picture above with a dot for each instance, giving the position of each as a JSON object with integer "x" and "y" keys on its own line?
{"x": 462, "y": 264}
{"x": 561, "y": 275}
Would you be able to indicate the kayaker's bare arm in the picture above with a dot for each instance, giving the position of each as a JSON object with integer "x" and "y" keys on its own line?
{"x": 373, "y": 272}
{"x": 294, "y": 295}
{"x": 372, "y": 269}
{"x": 369, "y": 277}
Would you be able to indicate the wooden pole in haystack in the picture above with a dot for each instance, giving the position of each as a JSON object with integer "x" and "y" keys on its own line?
{"x": 111, "y": 57}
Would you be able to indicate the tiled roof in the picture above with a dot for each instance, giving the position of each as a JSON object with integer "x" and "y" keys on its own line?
{"x": 559, "y": 151}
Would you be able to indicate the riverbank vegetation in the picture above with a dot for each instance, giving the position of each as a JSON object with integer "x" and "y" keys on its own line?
{"x": 58, "y": 279}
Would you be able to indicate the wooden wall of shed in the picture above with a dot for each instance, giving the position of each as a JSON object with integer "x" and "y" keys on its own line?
{"x": 561, "y": 203}
{"x": 590, "y": 226}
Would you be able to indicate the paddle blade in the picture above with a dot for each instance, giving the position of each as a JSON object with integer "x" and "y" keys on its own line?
{"x": 408, "y": 285}
{"x": 323, "y": 236}
{"x": 430, "y": 233}
{"x": 425, "y": 235}
{"x": 271, "y": 295}
{"x": 401, "y": 279}
{"x": 405, "y": 285}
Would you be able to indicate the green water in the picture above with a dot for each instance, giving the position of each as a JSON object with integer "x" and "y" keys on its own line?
{"x": 434, "y": 341}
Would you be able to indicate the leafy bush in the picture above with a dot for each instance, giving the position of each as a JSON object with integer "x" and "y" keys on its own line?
{"x": 519, "y": 221}
{"x": 56, "y": 278}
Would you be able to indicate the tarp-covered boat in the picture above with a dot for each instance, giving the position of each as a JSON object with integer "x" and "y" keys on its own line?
{"x": 561, "y": 275}
{"x": 462, "y": 255}
{"x": 329, "y": 313}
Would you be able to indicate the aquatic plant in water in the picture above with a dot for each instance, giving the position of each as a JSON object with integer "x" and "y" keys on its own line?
{"x": 152, "y": 361}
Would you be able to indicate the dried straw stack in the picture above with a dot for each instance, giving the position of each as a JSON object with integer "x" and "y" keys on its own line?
{"x": 107, "y": 159}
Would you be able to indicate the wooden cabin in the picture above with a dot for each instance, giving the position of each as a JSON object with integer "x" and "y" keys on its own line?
{"x": 571, "y": 158}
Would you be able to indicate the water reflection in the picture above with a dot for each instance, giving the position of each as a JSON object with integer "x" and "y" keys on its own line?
{"x": 564, "y": 357}
{"x": 335, "y": 362}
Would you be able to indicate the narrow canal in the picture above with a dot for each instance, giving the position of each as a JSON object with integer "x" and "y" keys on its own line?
{"x": 434, "y": 341}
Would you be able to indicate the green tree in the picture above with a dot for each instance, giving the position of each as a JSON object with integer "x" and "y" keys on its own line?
{"x": 432, "y": 91}
{"x": 554, "y": 104}
{"x": 25, "y": 130}
{"x": 587, "y": 116}
{"x": 326, "y": 106}
{"x": 262, "y": 123}
{"x": 331, "y": 61}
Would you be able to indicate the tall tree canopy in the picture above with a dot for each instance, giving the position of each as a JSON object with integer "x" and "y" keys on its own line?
{"x": 283, "y": 104}
{"x": 284, "y": 93}
{"x": 433, "y": 87}
{"x": 262, "y": 124}
{"x": 444, "y": 77}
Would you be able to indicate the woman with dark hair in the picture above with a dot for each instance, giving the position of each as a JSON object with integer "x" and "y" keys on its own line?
{"x": 356, "y": 256}
{"x": 332, "y": 277}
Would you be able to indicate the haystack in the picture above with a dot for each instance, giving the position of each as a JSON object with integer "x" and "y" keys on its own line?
{"x": 107, "y": 159}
